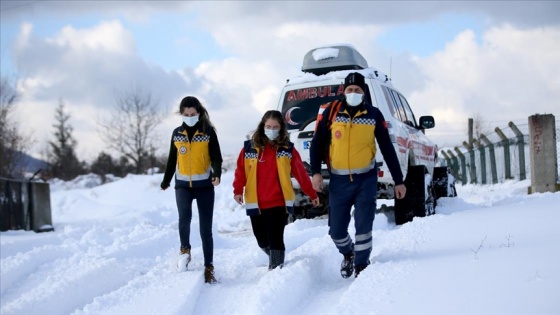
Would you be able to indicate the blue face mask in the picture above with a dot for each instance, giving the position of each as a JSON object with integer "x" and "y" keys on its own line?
{"x": 354, "y": 99}
{"x": 190, "y": 121}
{"x": 271, "y": 133}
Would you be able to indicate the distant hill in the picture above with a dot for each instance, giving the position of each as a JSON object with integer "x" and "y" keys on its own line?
{"x": 29, "y": 164}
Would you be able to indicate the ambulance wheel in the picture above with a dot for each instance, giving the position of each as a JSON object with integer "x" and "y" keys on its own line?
{"x": 444, "y": 183}
{"x": 419, "y": 200}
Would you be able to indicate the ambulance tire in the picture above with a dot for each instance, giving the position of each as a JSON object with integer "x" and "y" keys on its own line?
{"x": 419, "y": 200}
{"x": 444, "y": 185}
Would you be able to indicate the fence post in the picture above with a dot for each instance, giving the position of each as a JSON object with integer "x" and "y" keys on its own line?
{"x": 446, "y": 157}
{"x": 482, "y": 161}
{"x": 473, "y": 162}
{"x": 542, "y": 143}
{"x": 454, "y": 165}
{"x": 521, "y": 146}
{"x": 492, "y": 158}
{"x": 463, "y": 166}
{"x": 507, "y": 158}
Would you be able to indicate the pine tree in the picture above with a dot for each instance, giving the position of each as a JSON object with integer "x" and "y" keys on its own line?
{"x": 103, "y": 165}
{"x": 62, "y": 156}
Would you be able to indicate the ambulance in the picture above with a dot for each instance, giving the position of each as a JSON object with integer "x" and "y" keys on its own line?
{"x": 321, "y": 82}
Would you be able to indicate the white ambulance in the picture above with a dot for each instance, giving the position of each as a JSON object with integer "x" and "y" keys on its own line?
{"x": 322, "y": 81}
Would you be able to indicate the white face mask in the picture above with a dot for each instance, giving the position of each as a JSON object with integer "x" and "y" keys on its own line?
{"x": 354, "y": 99}
{"x": 271, "y": 133}
{"x": 190, "y": 121}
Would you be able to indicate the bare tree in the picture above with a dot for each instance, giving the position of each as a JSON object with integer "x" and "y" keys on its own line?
{"x": 477, "y": 126}
{"x": 130, "y": 130}
{"x": 480, "y": 126}
{"x": 12, "y": 142}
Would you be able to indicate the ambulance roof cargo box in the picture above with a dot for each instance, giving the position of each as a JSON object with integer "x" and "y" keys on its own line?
{"x": 326, "y": 59}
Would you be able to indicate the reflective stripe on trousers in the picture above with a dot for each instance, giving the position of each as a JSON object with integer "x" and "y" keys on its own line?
{"x": 360, "y": 193}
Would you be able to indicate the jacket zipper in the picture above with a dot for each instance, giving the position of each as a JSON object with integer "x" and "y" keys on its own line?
{"x": 189, "y": 157}
{"x": 349, "y": 145}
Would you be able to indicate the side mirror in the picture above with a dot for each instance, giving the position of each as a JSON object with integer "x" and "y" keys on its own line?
{"x": 427, "y": 122}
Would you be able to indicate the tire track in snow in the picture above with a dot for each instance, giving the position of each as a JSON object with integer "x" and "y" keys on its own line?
{"x": 393, "y": 257}
{"x": 248, "y": 287}
{"x": 17, "y": 268}
{"x": 173, "y": 293}
{"x": 64, "y": 285}
{"x": 90, "y": 262}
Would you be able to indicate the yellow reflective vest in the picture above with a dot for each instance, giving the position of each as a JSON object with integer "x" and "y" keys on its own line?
{"x": 352, "y": 149}
{"x": 283, "y": 161}
{"x": 193, "y": 159}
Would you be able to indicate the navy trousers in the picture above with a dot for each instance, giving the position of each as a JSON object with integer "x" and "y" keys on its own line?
{"x": 361, "y": 193}
{"x": 205, "y": 201}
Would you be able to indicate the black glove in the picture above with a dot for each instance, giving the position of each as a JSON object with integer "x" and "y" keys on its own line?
{"x": 164, "y": 185}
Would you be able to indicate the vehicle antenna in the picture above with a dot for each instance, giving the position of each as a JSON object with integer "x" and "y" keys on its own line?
{"x": 390, "y": 68}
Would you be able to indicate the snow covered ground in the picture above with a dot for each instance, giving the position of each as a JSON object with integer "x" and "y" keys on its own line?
{"x": 492, "y": 250}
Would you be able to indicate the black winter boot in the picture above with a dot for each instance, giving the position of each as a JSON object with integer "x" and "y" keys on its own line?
{"x": 266, "y": 250}
{"x": 276, "y": 258}
{"x": 347, "y": 265}
{"x": 360, "y": 268}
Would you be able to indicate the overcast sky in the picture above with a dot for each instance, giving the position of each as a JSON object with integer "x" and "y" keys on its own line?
{"x": 452, "y": 60}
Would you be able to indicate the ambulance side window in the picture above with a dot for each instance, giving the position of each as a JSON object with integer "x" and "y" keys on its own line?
{"x": 400, "y": 108}
{"x": 390, "y": 102}
{"x": 408, "y": 110}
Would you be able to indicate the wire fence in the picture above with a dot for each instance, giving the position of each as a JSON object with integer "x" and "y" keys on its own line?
{"x": 557, "y": 150}
{"x": 499, "y": 156}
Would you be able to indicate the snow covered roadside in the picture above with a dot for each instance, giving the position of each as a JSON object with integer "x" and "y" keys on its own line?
{"x": 492, "y": 250}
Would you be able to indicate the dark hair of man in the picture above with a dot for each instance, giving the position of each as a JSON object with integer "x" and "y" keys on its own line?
{"x": 259, "y": 137}
{"x": 203, "y": 116}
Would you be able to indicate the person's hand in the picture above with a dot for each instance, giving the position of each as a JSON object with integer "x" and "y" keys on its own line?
{"x": 238, "y": 199}
{"x": 317, "y": 182}
{"x": 164, "y": 186}
{"x": 315, "y": 202}
{"x": 400, "y": 191}
{"x": 215, "y": 181}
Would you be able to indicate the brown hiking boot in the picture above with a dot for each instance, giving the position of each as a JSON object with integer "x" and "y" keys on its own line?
{"x": 185, "y": 250}
{"x": 184, "y": 259}
{"x": 209, "y": 274}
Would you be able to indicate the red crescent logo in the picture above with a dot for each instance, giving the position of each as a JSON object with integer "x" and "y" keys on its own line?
{"x": 288, "y": 116}
{"x": 337, "y": 134}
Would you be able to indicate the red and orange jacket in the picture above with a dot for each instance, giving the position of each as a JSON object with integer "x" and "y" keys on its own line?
{"x": 265, "y": 175}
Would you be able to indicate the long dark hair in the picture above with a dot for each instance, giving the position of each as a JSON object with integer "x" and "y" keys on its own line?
{"x": 203, "y": 116}
{"x": 260, "y": 139}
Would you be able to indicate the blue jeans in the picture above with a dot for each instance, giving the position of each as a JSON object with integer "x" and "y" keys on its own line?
{"x": 361, "y": 193}
{"x": 205, "y": 201}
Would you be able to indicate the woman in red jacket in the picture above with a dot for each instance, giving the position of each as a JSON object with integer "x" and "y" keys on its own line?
{"x": 263, "y": 168}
